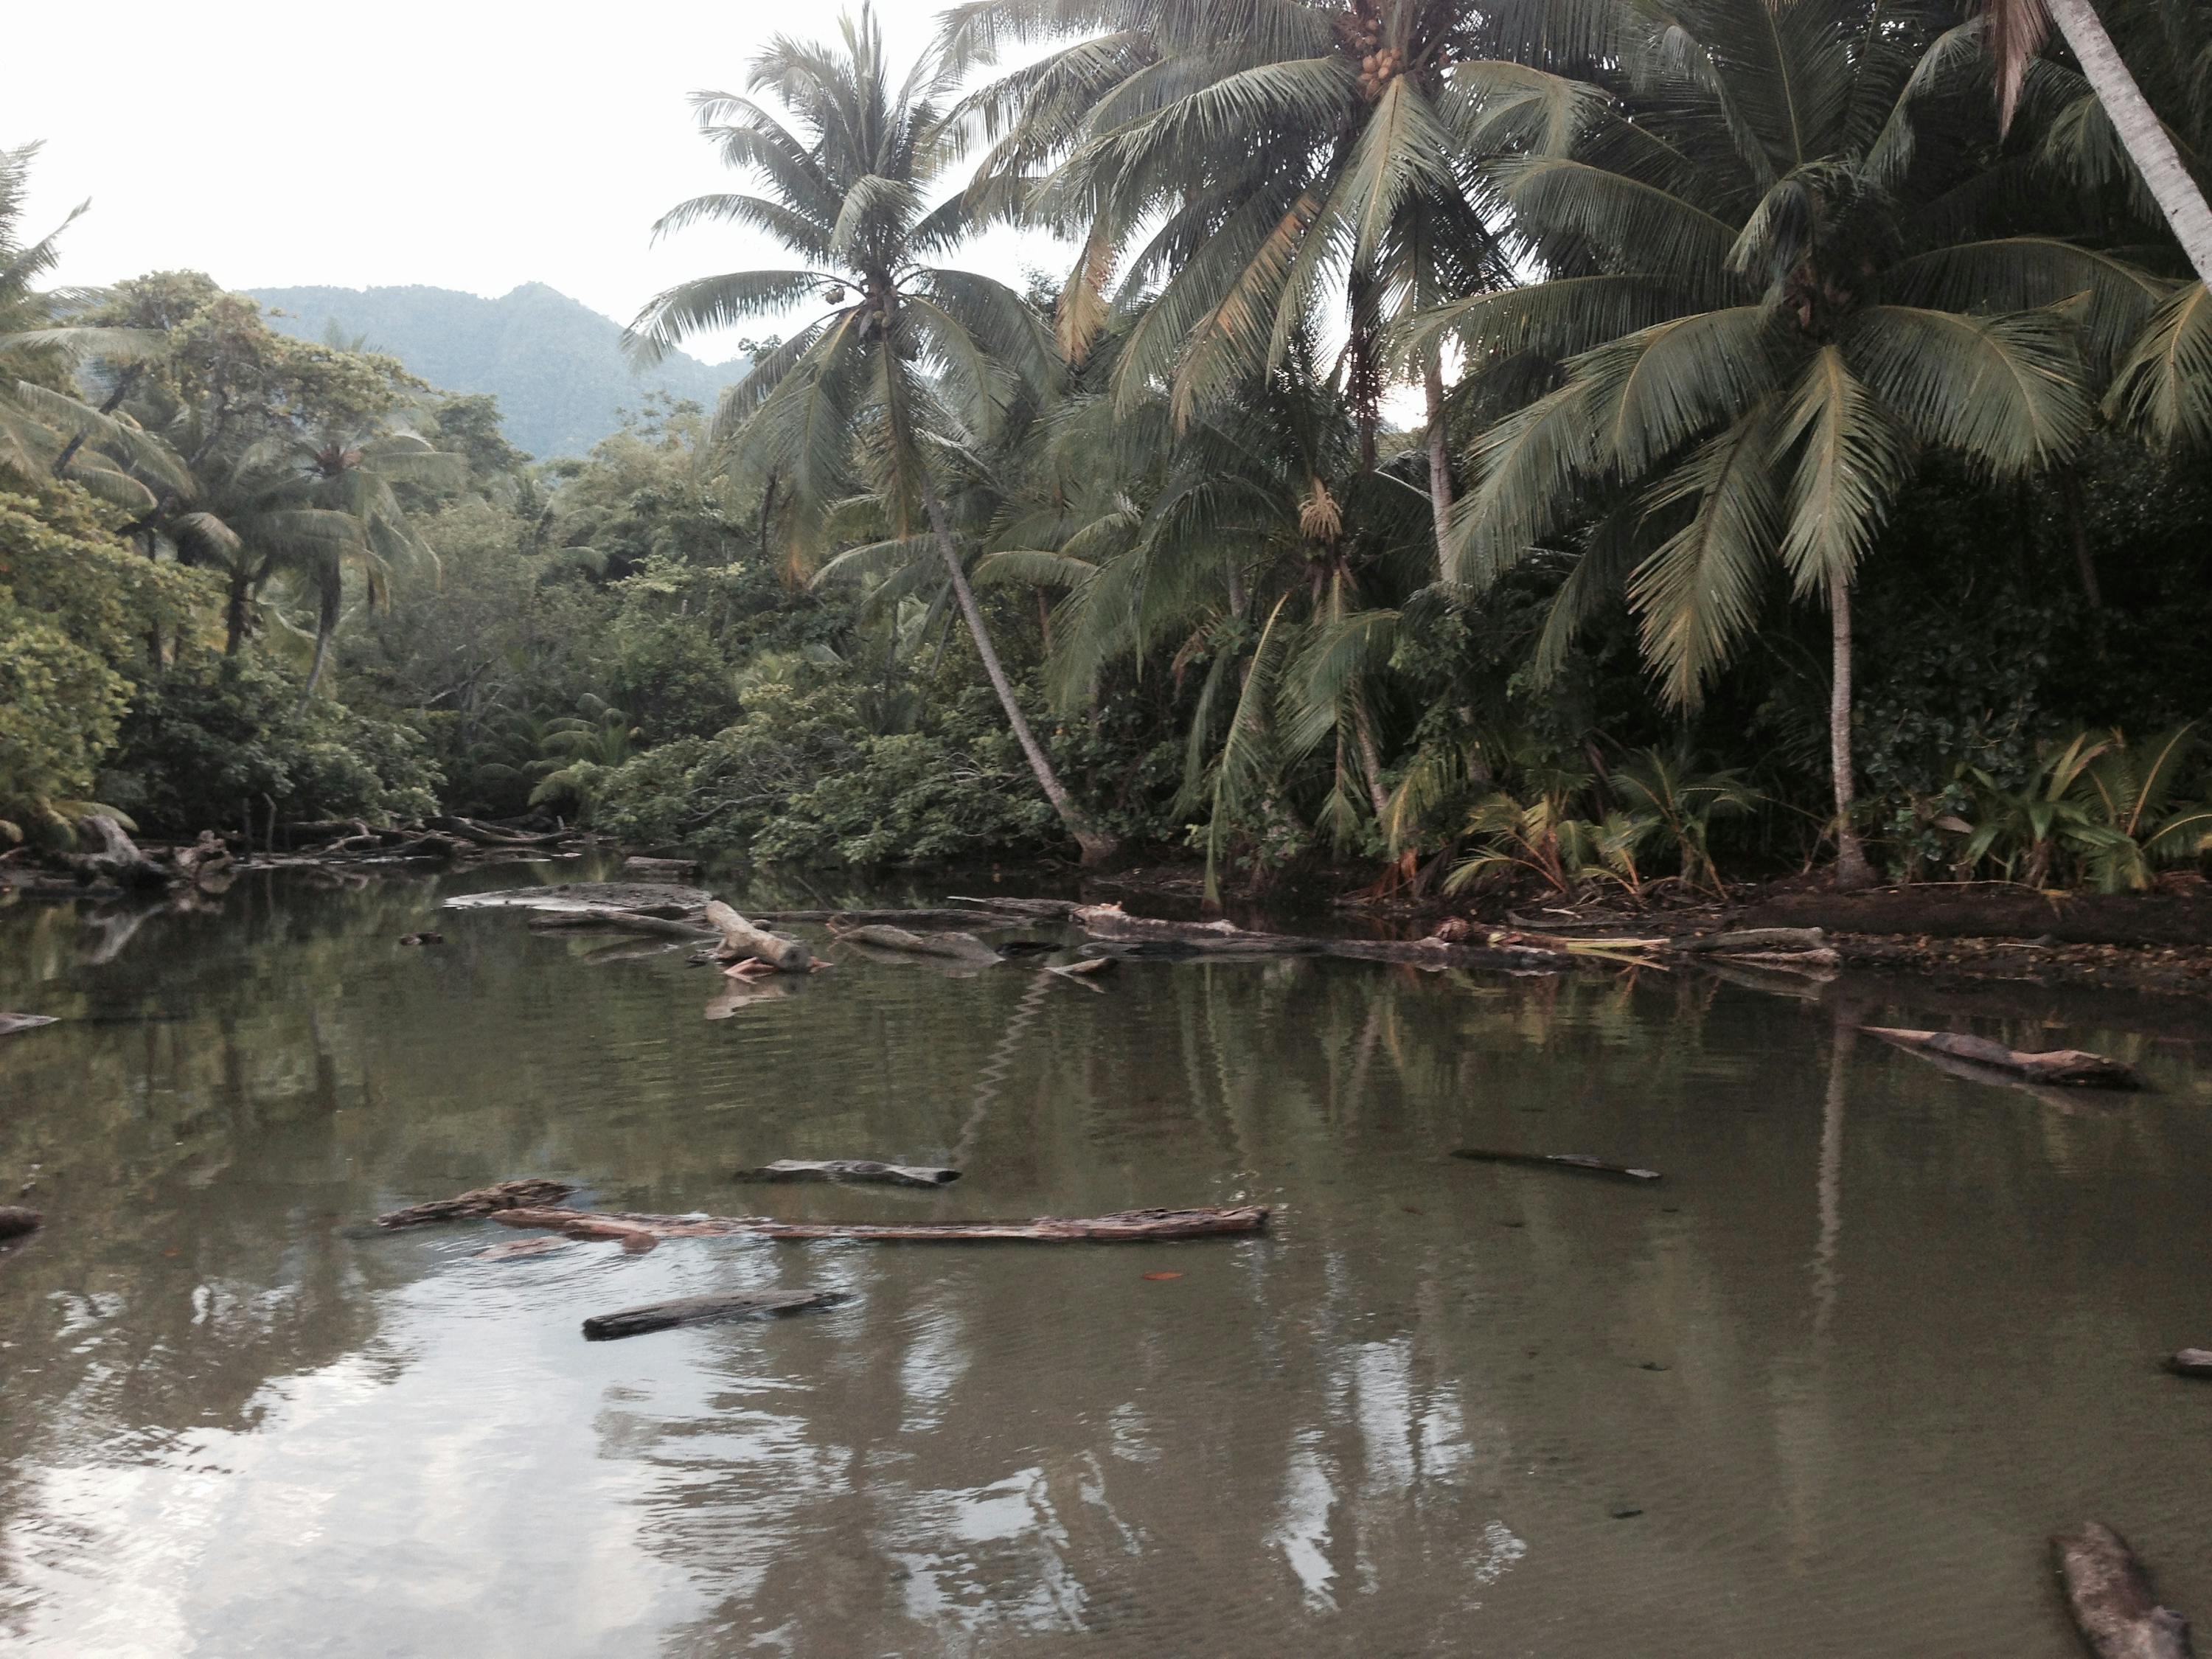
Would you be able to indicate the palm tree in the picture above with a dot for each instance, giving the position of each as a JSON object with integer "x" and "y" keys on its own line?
{"x": 910, "y": 359}
{"x": 1273, "y": 157}
{"x": 2016, "y": 32}
{"x": 1776, "y": 263}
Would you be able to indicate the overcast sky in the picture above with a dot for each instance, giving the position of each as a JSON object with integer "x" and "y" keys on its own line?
{"x": 474, "y": 144}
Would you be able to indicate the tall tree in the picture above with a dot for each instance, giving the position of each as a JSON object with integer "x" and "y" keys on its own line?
{"x": 911, "y": 356}
{"x": 1778, "y": 262}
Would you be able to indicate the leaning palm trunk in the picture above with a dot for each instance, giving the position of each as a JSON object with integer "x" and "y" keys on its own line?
{"x": 1097, "y": 847}
{"x": 2016, "y": 32}
{"x": 1852, "y": 870}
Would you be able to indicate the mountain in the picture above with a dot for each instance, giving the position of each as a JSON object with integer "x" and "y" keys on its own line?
{"x": 556, "y": 365}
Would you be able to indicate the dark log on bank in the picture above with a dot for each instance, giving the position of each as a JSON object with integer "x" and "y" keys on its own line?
{"x": 16, "y": 1221}
{"x": 626, "y": 921}
{"x": 2074, "y": 1068}
{"x": 2109, "y": 1594}
{"x": 491, "y": 834}
{"x": 742, "y": 941}
{"x": 704, "y": 1310}
{"x": 1580, "y": 1162}
{"x": 11, "y": 1024}
{"x": 118, "y": 858}
{"x": 965, "y": 947}
{"x": 660, "y": 869}
{"x": 2191, "y": 1362}
{"x": 481, "y": 1200}
{"x": 1124, "y": 1227}
{"x": 851, "y": 1169}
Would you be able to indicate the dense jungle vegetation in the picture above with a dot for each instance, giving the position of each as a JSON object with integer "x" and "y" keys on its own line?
{"x": 1801, "y": 456}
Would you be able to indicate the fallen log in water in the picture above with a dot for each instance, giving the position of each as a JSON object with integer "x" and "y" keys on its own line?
{"x": 908, "y": 918}
{"x": 660, "y": 869}
{"x": 2191, "y": 1362}
{"x": 704, "y": 1310}
{"x": 1044, "y": 909}
{"x": 648, "y": 898}
{"x": 627, "y": 921}
{"x": 118, "y": 858}
{"x": 1579, "y": 1162}
{"x": 2071, "y": 1067}
{"x": 851, "y": 1169}
{"x": 966, "y": 947}
{"x": 11, "y": 1024}
{"x": 742, "y": 940}
{"x": 1124, "y": 1227}
{"x": 15, "y": 1221}
{"x": 1112, "y": 921}
{"x": 1745, "y": 940}
{"x": 2109, "y": 1594}
{"x": 480, "y": 1201}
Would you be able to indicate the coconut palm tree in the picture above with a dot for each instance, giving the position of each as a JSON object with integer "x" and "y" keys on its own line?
{"x": 1252, "y": 169}
{"x": 910, "y": 358}
{"x": 1780, "y": 259}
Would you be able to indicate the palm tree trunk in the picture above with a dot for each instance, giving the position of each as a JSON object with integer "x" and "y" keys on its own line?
{"x": 1096, "y": 846}
{"x": 315, "y": 668}
{"x": 1440, "y": 486}
{"x": 2139, "y": 129}
{"x": 1852, "y": 870}
{"x": 234, "y": 615}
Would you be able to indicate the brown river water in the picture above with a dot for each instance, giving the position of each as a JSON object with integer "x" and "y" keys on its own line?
{"x": 1825, "y": 1390}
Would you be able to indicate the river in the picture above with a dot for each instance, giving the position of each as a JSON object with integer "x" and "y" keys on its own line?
{"x": 1823, "y": 1391}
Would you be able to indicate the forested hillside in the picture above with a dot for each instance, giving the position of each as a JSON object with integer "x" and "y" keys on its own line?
{"x": 556, "y": 365}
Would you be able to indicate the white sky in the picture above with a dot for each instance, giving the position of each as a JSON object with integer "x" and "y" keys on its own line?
{"x": 474, "y": 144}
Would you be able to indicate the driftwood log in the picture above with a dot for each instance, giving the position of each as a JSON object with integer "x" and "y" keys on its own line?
{"x": 2109, "y": 1593}
{"x": 1112, "y": 921}
{"x": 11, "y": 1024}
{"x": 1580, "y": 1162}
{"x": 851, "y": 1169}
{"x": 116, "y": 858}
{"x": 742, "y": 941}
{"x": 1125, "y": 1226}
{"x": 16, "y": 1221}
{"x": 966, "y": 947}
{"x": 649, "y": 899}
{"x": 479, "y": 1201}
{"x": 2191, "y": 1362}
{"x": 2074, "y": 1068}
{"x": 704, "y": 1310}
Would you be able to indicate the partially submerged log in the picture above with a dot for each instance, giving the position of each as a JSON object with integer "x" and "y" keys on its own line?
{"x": 650, "y": 898}
{"x": 894, "y": 918}
{"x": 627, "y": 921}
{"x": 2074, "y": 1068}
{"x": 1112, "y": 921}
{"x": 11, "y": 1024}
{"x": 118, "y": 857}
{"x": 1745, "y": 941}
{"x": 1580, "y": 1162}
{"x": 851, "y": 1169}
{"x": 206, "y": 861}
{"x": 2109, "y": 1594}
{"x": 964, "y": 947}
{"x": 16, "y": 1221}
{"x": 741, "y": 940}
{"x": 2191, "y": 1362}
{"x": 1043, "y": 909}
{"x": 1124, "y": 1227}
{"x": 479, "y": 1201}
{"x": 704, "y": 1310}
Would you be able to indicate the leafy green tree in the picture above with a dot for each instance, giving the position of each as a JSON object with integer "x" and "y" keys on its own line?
{"x": 912, "y": 358}
{"x": 1772, "y": 276}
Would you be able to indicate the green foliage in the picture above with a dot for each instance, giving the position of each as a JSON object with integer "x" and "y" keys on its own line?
{"x": 212, "y": 738}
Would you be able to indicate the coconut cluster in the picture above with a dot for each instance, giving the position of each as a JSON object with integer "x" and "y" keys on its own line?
{"x": 1378, "y": 63}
